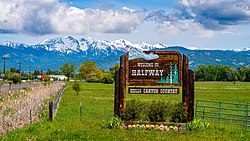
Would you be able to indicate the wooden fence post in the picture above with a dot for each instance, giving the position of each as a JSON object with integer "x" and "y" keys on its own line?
{"x": 50, "y": 111}
{"x": 117, "y": 93}
{"x": 122, "y": 84}
{"x": 191, "y": 96}
{"x": 81, "y": 111}
{"x": 185, "y": 84}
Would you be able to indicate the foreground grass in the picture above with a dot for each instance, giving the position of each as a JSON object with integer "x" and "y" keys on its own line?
{"x": 98, "y": 101}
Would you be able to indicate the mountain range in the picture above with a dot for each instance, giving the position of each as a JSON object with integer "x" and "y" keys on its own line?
{"x": 53, "y": 53}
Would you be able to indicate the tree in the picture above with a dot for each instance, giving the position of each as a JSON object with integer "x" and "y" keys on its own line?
{"x": 15, "y": 77}
{"x": 68, "y": 69}
{"x": 88, "y": 70}
{"x": 13, "y": 70}
{"x": 107, "y": 78}
{"x": 76, "y": 87}
{"x": 113, "y": 69}
{"x": 244, "y": 73}
{"x": 200, "y": 73}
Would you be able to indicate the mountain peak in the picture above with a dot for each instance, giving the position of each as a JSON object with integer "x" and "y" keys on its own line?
{"x": 13, "y": 44}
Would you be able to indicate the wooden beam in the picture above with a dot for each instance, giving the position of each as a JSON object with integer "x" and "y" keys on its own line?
{"x": 191, "y": 96}
{"x": 185, "y": 83}
{"x": 117, "y": 93}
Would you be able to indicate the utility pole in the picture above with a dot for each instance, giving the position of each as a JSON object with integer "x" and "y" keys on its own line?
{"x": 4, "y": 64}
{"x": 20, "y": 65}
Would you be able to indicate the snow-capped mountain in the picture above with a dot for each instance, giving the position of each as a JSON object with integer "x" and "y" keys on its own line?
{"x": 53, "y": 53}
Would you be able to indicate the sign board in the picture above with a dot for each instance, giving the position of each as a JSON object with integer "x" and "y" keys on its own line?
{"x": 154, "y": 68}
{"x": 153, "y": 90}
{"x": 162, "y": 70}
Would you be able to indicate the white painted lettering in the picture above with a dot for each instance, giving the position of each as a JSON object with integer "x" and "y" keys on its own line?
{"x": 151, "y": 72}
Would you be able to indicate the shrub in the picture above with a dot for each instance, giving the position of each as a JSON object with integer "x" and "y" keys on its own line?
{"x": 15, "y": 77}
{"x": 156, "y": 111}
{"x": 178, "y": 114}
{"x": 159, "y": 110}
{"x": 135, "y": 110}
{"x": 76, "y": 87}
{"x": 196, "y": 125}
{"x": 107, "y": 78}
{"x": 114, "y": 123}
{"x": 93, "y": 80}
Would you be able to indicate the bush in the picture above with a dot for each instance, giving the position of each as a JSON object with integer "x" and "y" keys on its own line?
{"x": 155, "y": 111}
{"x": 15, "y": 77}
{"x": 196, "y": 125}
{"x": 159, "y": 110}
{"x": 93, "y": 80}
{"x": 76, "y": 87}
{"x": 107, "y": 78}
{"x": 114, "y": 123}
{"x": 135, "y": 110}
{"x": 178, "y": 114}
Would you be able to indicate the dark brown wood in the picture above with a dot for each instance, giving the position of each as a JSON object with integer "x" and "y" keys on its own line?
{"x": 185, "y": 83}
{"x": 153, "y": 90}
{"x": 116, "y": 98}
{"x": 191, "y": 96}
{"x": 127, "y": 67}
{"x": 50, "y": 111}
{"x": 122, "y": 86}
{"x": 161, "y": 63}
{"x": 125, "y": 78}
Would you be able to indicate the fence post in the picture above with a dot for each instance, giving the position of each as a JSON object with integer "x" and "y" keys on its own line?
{"x": 203, "y": 113}
{"x": 219, "y": 114}
{"x": 81, "y": 111}
{"x": 30, "y": 115}
{"x": 50, "y": 111}
{"x": 196, "y": 108}
{"x": 246, "y": 117}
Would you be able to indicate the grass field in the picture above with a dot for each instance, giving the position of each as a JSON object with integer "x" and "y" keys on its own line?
{"x": 98, "y": 101}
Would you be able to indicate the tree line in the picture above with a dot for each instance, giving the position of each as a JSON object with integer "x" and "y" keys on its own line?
{"x": 222, "y": 73}
{"x": 90, "y": 72}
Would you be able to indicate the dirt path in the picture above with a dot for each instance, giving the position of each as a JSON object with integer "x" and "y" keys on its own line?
{"x": 18, "y": 110}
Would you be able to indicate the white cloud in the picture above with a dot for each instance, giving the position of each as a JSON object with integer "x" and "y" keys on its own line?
{"x": 202, "y": 17}
{"x": 50, "y": 16}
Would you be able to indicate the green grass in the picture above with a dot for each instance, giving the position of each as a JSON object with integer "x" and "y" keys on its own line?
{"x": 98, "y": 101}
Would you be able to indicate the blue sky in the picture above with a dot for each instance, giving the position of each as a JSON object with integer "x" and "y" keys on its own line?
{"x": 214, "y": 24}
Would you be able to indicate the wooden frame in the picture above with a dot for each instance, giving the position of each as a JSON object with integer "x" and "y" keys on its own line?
{"x": 123, "y": 79}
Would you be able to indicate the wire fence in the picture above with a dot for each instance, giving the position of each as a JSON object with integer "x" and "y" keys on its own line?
{"x": 20, "y": 109}
{"x": 53, "y": 106}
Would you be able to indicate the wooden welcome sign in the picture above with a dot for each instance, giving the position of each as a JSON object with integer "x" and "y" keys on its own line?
{"x": 163, "y": 70}
{"x": 154, "y": 68}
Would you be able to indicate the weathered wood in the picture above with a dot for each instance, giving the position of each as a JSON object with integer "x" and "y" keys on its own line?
{"x": 191, "y": 96}
{"x": 116, "y": 98}
{"x": 122, "y": 86}
{"x": 155, "y": 70}
{"x": 185, "y": 84}
{"x": 50, "y": 111}
{"x": 125, "y": 76}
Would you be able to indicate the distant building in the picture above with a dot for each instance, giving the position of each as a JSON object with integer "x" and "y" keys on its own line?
{"x": 58, "y": 77}
{"x": 55, "y": 77}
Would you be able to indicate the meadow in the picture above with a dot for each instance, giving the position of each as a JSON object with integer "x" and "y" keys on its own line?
{"x": 98, "y": 106}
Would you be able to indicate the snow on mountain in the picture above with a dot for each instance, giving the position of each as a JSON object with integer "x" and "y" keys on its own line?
{"x": 13, "y": 44}
{"x": 138, "y": 53}
{"x": 70, "y": 45}
{"x": 107, "y": 53}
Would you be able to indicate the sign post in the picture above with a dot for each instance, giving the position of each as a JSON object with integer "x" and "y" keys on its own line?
{"x": 162, "y": 68}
